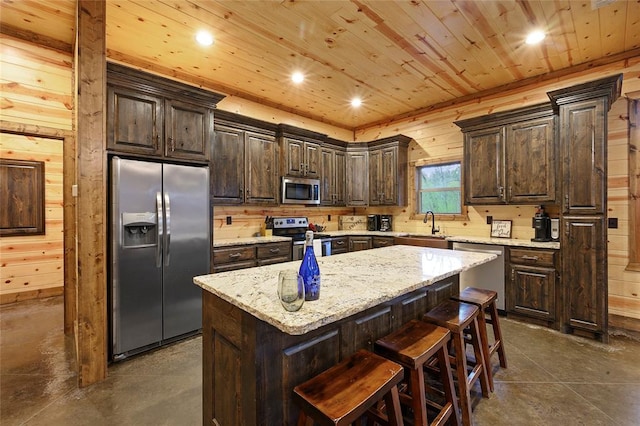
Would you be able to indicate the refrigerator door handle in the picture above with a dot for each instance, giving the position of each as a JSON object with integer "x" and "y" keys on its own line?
{"x": 167, "y": 232}
{"x": 160, "y": 227}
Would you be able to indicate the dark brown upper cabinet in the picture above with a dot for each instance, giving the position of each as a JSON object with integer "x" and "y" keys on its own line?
{"x": 301, "y": 151}
{"x": 388, "y": 171}
{"x": 332, "y": 176}
{"x": 357, "y": 172}
{"x": 155, "y": 117}
{"x": 509, "y": 157}
{"x": 244, "y": 161}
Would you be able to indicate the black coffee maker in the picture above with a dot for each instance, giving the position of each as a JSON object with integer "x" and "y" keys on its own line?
{"x": 373, "y": 222}
{"x": 542, "y": 225}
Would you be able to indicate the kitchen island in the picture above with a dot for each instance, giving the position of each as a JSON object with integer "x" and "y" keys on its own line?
{"x": 255, "y": 352}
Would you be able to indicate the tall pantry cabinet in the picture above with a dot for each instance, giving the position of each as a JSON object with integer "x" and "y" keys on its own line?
{"x": 582, "y": 112}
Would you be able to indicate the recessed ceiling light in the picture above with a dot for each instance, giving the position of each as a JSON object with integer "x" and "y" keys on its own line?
{"x": 204, "y": 38}
{"x": 297, "y": 77}
{"x": 356, "y": 102}
{"x": 535, "y": 37}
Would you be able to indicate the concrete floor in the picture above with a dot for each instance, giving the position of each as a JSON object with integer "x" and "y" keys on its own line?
{"x": 552, "y": 379}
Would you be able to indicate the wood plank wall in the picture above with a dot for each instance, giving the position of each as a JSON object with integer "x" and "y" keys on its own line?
{"x": 246, "y": 221}
{"x": 32, "y": 266}
{"x": 437, "y": 138}
{"x": 36, "y": 86}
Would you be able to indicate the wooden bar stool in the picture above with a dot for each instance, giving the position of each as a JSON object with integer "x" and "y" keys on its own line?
{"x": 460, "y": 317}
{"x": 485, "y": 300}
{"x": 350, "y": 389}
{"x": 413, "y": 346}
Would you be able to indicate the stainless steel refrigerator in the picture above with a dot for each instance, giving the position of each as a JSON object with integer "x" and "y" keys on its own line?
{"x": 160, "y": 240}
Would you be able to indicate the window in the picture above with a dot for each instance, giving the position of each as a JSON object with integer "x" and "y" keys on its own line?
{"x": 439, "y": 188}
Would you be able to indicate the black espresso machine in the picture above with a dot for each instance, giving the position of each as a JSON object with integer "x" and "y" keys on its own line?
{"x": 542, "y": 225}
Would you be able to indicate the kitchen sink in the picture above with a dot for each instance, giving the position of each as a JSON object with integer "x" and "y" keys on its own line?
{"x": 433, "y": 241}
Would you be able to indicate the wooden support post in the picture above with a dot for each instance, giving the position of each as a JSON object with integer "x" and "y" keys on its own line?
{"x": 91, "y": 204}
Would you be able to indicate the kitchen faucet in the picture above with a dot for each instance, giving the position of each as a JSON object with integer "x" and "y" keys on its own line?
{"x": 433, "y": 222}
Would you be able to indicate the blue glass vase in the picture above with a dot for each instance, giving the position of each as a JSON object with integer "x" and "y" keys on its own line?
{"x": 309, "y": 270}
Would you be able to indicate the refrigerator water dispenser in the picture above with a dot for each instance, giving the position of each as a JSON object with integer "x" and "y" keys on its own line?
{"x": 139, "y": 230}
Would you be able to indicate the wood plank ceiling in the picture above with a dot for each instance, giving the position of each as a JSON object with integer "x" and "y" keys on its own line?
{"x": 399, "y": 57}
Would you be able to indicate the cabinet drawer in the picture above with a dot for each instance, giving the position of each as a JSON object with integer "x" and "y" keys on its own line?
{"x": 274, "y": 260}
{"x": 233, "y": 254}
{"x": 268, "y": 251}
{"x": 382, "y": 242}
{"x": 233, "y": 266}
{"x": 532, "y": 257}
{"x": 338, "y": 244}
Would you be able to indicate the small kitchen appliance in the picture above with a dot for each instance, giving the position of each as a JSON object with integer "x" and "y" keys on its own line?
{"x": 385, "y": 222}
{"x": 542, "y": 225}
{"x": 373, "y": 222}
{"x": 555, "y": 229}
{"x": 300, "y": 191}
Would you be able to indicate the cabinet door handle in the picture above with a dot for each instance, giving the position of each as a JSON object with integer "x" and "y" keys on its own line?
{"x": 274, "y": 250}
{"x": 566, "y": 228}
{"x": 340, "y": 243}
{"x": 510, "y": 191}
{"x": 302, "y": 169}
{"x": 566, "y": 202}
{"x": 534, "y": 258}
{"x": 248, "y": 192}
{"x": 234, "y": 255}
{"x": 501, "y": 192}
{"x": 171, "y": 146}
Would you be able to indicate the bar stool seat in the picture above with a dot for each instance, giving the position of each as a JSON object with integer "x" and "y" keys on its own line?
{"x": 485, "y": 300}
{"x": 413, "y": 346}
{"x": 460, "y": 318}
{"x": 347, "y": 391}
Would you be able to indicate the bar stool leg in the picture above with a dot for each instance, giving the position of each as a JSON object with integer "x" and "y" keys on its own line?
{"x": 418, "y": 399}
{"x": 449, "y": 388}
{"x": 394, "y": 412}
{"x": 479, "y": 354}
{"x": 497, "y": 335}
{"x": 461, "y": 373}
{"x": 484, "y": 338}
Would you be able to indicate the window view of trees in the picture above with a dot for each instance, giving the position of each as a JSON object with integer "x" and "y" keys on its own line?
{"x": 439, "y": 188}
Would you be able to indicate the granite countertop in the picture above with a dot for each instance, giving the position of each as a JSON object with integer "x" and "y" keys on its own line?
{"x": 248, "y": 241}
{"x": 554, "y": 245}
{"x": 351, "y": 283}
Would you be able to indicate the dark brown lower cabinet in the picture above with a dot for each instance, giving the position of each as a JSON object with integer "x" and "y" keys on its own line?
{"x": 339, "y": 245}
{"x": 232, "y": 258}
{"x": 584, "y": 270}
{"x": 382, "y": 242}
{"x": 250, "y": 367}
{"x": 360, "y": 243}
{"x": 532, "y": 284}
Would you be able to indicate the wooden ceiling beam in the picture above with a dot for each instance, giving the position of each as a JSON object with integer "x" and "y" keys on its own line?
{"x": 32, "y": 37}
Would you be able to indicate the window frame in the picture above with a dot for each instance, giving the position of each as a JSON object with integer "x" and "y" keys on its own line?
{"x": 415, "y": 214}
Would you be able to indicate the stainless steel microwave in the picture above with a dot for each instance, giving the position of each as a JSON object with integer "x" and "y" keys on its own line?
{"x": 300, "y": 191}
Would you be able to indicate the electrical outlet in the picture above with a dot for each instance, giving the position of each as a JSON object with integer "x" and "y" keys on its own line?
{"x": 489, "y": 220}
{"x": 228, "y": 220}
{"x": 613, "y": 222}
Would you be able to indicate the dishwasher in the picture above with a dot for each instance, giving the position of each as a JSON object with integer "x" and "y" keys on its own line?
{"x": 489, "y": 275}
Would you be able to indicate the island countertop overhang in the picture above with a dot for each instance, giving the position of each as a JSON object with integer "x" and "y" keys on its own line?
{"x": 351, "y": 283}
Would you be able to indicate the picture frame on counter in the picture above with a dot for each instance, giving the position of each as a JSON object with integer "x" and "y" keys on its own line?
{"x": 501, "y": 229}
